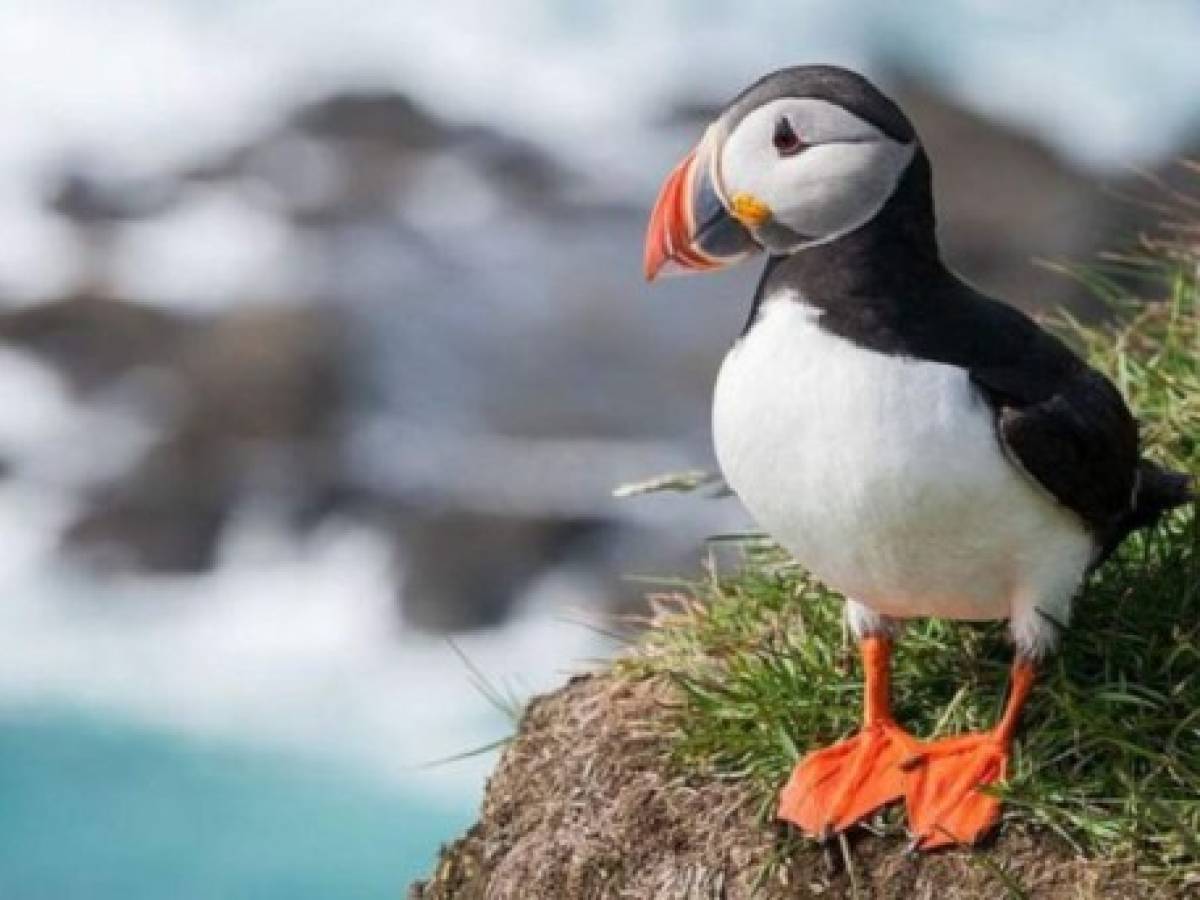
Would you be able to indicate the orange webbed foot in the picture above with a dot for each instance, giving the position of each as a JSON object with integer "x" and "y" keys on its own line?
{"x": 833, "y": 788}
{"x": 945, "y": 792}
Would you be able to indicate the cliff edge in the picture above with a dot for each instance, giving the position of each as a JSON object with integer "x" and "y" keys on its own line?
{"x": 586, "y": 805}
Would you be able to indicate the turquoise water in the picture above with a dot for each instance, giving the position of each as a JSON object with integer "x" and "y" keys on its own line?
{"x": 93, "y": 809}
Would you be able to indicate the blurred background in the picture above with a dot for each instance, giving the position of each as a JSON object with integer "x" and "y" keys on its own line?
{"x": 322, "y": 337}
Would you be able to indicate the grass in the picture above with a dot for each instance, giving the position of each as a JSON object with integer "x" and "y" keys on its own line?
{"x": 1109, "y": 755}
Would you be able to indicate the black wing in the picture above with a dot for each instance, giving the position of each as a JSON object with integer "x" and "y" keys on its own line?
{"x": 1080, "y": 443}
{"x": 1062, "y": 422}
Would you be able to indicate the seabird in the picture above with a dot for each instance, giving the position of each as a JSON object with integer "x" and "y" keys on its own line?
{"x": 921, "y": 448}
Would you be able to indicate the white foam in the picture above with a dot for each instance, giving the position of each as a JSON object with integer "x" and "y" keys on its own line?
{"x": 292, "y": 646}
{"x": 41, "y": 255}
{"x": 216, "y": 249}
{"x": 52, "y": 441}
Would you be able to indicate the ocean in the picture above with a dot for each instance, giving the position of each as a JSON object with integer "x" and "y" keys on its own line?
{"x": 94, "y": 807}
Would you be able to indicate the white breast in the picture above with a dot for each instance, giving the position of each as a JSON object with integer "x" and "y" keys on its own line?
{"x": 884, "y": 476}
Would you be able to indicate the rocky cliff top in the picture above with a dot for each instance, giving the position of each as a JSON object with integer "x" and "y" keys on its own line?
{"x": 586, "y": 804}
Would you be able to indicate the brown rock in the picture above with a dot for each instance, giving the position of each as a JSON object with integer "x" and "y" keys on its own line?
{"x": 586, "y": 805}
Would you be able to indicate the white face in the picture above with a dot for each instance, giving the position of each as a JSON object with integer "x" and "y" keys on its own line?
{"x": 835, "y": 176}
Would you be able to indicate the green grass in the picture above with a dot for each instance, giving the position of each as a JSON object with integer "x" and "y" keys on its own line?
{"x": 1109, "y": 755}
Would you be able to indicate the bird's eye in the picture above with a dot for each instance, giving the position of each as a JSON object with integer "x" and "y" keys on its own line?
{"x": 785, "y": 139}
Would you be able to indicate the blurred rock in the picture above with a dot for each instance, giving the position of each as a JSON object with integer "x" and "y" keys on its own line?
{"x": 1007, "y": 203}
{"x": 473, "y": 293}
{"x": 165, "y": 516}
{"x": 97, "y": 202}
{"x": 262, "y": 374}
{"x": 382, "y": 116}
{"x": 391, "y": 124}
{"x": 91, "y": 197}
{"x": 358, "y": 154}
{"x": 466, "y": 570}
{"x": 256, "y": 396}
{"x": 94, "y": 339}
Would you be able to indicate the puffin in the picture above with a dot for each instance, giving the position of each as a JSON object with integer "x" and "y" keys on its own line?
{"x": 922, "y": 449}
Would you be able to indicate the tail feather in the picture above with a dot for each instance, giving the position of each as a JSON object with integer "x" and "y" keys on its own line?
{"x": 1158, "y": 490}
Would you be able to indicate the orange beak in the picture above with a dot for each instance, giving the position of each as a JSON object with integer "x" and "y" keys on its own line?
{"x": 691, "y": 229}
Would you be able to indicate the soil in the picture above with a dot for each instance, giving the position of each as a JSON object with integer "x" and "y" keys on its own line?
{"x": 585, "y": 805}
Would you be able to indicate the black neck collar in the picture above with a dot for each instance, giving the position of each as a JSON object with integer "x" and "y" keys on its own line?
{"x": 877, "y": 265}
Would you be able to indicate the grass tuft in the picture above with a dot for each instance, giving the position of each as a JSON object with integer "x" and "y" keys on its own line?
{"x": 1109, "y": 755}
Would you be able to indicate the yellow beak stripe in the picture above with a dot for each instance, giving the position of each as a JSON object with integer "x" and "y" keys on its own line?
{"x": 749, "y": 210}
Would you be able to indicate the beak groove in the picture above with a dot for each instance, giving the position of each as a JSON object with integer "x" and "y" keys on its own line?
{"x": 690, "y": 229}
{"x": 672, "y": 224}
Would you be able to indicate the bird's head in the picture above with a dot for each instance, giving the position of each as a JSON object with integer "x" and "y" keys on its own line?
{"x": 801, "y": 157}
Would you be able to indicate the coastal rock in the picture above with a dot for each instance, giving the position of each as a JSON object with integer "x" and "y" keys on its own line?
{"x": 252, "y": 403}
{"x": 587, "y": 804}
{"x": 93, "y": 339}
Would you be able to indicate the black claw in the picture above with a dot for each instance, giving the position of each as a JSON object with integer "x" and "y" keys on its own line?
{"x": 912, "y": 762}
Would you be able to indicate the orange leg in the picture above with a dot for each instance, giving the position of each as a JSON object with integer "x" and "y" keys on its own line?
{"x": 943, "y": 796}
{"x": 834, "y": 788}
